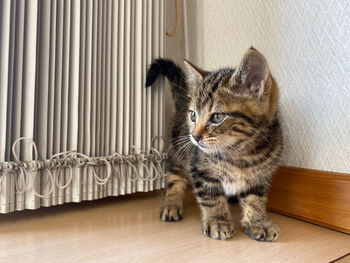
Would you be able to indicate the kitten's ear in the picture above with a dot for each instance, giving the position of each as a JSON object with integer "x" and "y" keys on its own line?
{"x": 252, "y": 74}
{"x": 194, "y": 73}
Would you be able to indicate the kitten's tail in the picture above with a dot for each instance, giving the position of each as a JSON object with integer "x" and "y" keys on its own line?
{"x": 174, "y": 74}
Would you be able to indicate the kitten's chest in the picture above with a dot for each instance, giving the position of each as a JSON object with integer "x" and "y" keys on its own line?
{"x": 230, "y": 188}
{"x": 234, "y": 182}
{"x": 233, "y": 179}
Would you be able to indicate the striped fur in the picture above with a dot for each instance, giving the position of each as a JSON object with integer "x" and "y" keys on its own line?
{"x": 227, "y": 141}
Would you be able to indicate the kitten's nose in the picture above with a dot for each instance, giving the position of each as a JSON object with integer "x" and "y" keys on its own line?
{"x": 197, "y": 137}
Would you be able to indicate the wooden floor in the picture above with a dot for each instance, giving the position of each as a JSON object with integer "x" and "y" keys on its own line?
{"x": 128, "y": 230}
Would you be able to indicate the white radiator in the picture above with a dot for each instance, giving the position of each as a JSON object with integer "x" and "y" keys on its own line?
{"x": 72, "y": 77}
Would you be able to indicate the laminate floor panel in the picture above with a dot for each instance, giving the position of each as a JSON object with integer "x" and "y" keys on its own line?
{"x": 127, "y": 229}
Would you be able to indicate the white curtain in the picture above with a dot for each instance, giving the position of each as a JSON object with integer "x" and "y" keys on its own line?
{"x": 72, "y": 77}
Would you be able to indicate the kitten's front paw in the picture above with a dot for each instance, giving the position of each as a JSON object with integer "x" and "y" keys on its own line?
{"x": 171, "y": 214}
{"x": 218, "y": 229}
{"x": 262, "y": 231}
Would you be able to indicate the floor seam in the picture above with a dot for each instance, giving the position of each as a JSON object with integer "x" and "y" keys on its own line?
{"x": 337, "y": 259}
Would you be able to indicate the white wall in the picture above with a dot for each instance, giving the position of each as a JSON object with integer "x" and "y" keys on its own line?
{"x": 307, "y": 44}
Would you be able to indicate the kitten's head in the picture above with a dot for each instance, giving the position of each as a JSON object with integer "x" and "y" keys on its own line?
{"x": 230, "y": 106}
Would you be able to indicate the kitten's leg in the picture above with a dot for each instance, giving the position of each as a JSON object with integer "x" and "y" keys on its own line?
{"x": 255, "y": 221}
{"x": 172, "y": 209}
{"x": 216, "y": 216}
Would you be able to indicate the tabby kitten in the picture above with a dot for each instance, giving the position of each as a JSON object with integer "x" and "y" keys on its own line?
{"x": 227, "y": 141}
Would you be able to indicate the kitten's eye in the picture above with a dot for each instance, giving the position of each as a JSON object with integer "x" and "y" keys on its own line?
{"x": 217, "y": 118}
{"x": 193, "y": 116}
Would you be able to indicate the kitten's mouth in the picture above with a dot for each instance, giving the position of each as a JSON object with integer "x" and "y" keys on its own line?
{"x": 197, "y": 143}
{"x": 200, "y": 145}
{"x": 205, "y": 149}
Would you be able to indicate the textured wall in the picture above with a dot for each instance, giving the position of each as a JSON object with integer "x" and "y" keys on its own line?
{"x": 307, "y": 44}
{"x": 174, "y": 49}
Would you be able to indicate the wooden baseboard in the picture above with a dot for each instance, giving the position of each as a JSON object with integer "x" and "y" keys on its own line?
{"x": 318, "y": 197}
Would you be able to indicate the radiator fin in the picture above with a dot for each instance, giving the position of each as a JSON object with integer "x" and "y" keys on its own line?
{"x": 72, "y": 78}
